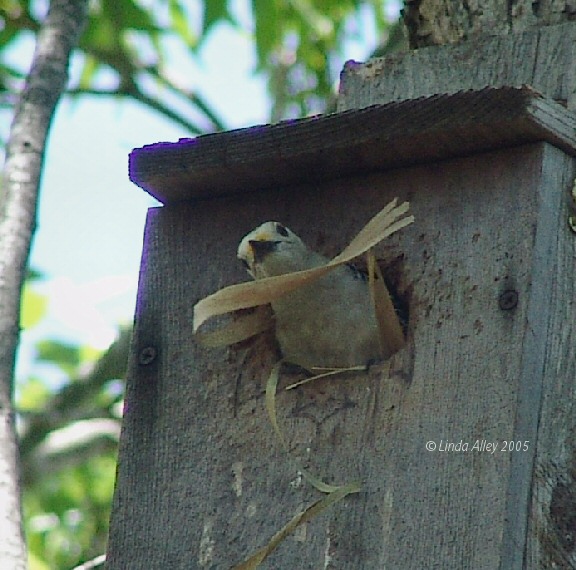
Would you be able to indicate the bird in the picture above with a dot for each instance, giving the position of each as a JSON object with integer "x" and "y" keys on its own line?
{"x": 328, "y": 323}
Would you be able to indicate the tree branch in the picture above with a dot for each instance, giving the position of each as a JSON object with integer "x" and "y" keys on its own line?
{"x": 72, "y": 401}
{"x": 146, "y": 100}
{"x": 128, "y": 68}
{"x": 18, "y": 200}
{"x": 192, "y": 97}
{"x": 69, "y": 446}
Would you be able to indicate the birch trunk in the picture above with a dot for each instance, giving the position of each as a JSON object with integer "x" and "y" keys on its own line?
{"x": 45, "y": 83}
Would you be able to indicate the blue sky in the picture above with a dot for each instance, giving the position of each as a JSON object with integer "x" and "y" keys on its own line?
{"x": 91, "y": 217}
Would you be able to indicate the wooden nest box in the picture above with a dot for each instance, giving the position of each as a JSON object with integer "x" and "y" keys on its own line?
{"x": 463, "y": 440}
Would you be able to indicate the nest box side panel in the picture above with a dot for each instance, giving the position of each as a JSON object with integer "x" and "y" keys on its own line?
{"x": 552, "y": 523}
{"x": 203, "y": 481}
{"x": 543, "y": 58}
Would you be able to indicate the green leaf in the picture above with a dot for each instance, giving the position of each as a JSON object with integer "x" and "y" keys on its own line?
{"x": 99, "y": 35}
{"x": 314, "y": 22}
{"x": 88, "y": 353}
{"x": 16, "y": 21}
{"x": 379, "y": 11}
{"x": 266, "y": 20}
{"x": 65, "y": 356}
{"x": 89, "y": 69}
{"x": 32, "y": 395}
{"x": 179, "y": 19}
{"x": 9, "y": 6}
{"x": 126, "y": 14}
{"x": 35, "y": 563}
{"x": 32, "y": 308}
{"x": 214, "y": 12}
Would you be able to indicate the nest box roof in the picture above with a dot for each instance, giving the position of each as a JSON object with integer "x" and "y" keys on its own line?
{"x": 350, "y": 143}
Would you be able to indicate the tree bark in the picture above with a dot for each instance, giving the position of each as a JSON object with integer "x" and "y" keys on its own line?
{"x": 437, "y": 22}
{"x": 45, "y": 83}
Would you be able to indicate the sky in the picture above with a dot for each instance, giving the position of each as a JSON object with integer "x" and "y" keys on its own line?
{"x": 91, "y": 217}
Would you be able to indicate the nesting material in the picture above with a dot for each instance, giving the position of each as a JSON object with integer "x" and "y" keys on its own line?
{"x": 264, "y": 291}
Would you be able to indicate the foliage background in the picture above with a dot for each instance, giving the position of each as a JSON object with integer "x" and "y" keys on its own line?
{"x": 69, "y": 398}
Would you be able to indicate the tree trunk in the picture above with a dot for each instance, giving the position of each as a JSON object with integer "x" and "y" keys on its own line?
{"x": 437, "y": 22}
{"x": 46, "y": 81}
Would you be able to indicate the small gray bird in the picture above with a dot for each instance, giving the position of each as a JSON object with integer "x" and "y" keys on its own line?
{"x": 328, "y": 323}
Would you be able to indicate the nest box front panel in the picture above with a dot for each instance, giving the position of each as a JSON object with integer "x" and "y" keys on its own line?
{"x": 216, "y": 483}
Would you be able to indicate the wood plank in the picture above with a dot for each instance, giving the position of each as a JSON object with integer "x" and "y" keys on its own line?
{"x": 544, "y": 58}
{"x": 351, "y": 143}
{"x": 551, "y": 535}
{"x": 556, "y": 171}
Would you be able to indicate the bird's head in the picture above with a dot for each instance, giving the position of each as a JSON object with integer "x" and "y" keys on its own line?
{"x": 272, "y": 249}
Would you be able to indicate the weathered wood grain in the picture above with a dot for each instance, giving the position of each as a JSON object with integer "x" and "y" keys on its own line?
{"x": 551, "y": 541}
{"x": 351, "y": 143}
{"x": 544, "y": 58}
{"x": 438, "y": 22}
{"x": 202, "y": 481}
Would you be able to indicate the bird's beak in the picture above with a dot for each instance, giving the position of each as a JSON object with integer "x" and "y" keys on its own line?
{"x": 261, "y": 248}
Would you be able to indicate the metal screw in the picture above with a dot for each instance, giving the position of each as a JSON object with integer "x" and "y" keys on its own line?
{"x": 508, "y": 300}
{"x": 147, "y": 355}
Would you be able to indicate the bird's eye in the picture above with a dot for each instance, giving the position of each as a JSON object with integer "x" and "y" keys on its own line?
{"x": 281, "y": 230}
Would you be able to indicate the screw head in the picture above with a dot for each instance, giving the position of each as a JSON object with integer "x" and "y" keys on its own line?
{"x": 147, "y": 355}
{"x": 508, "y": 300}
